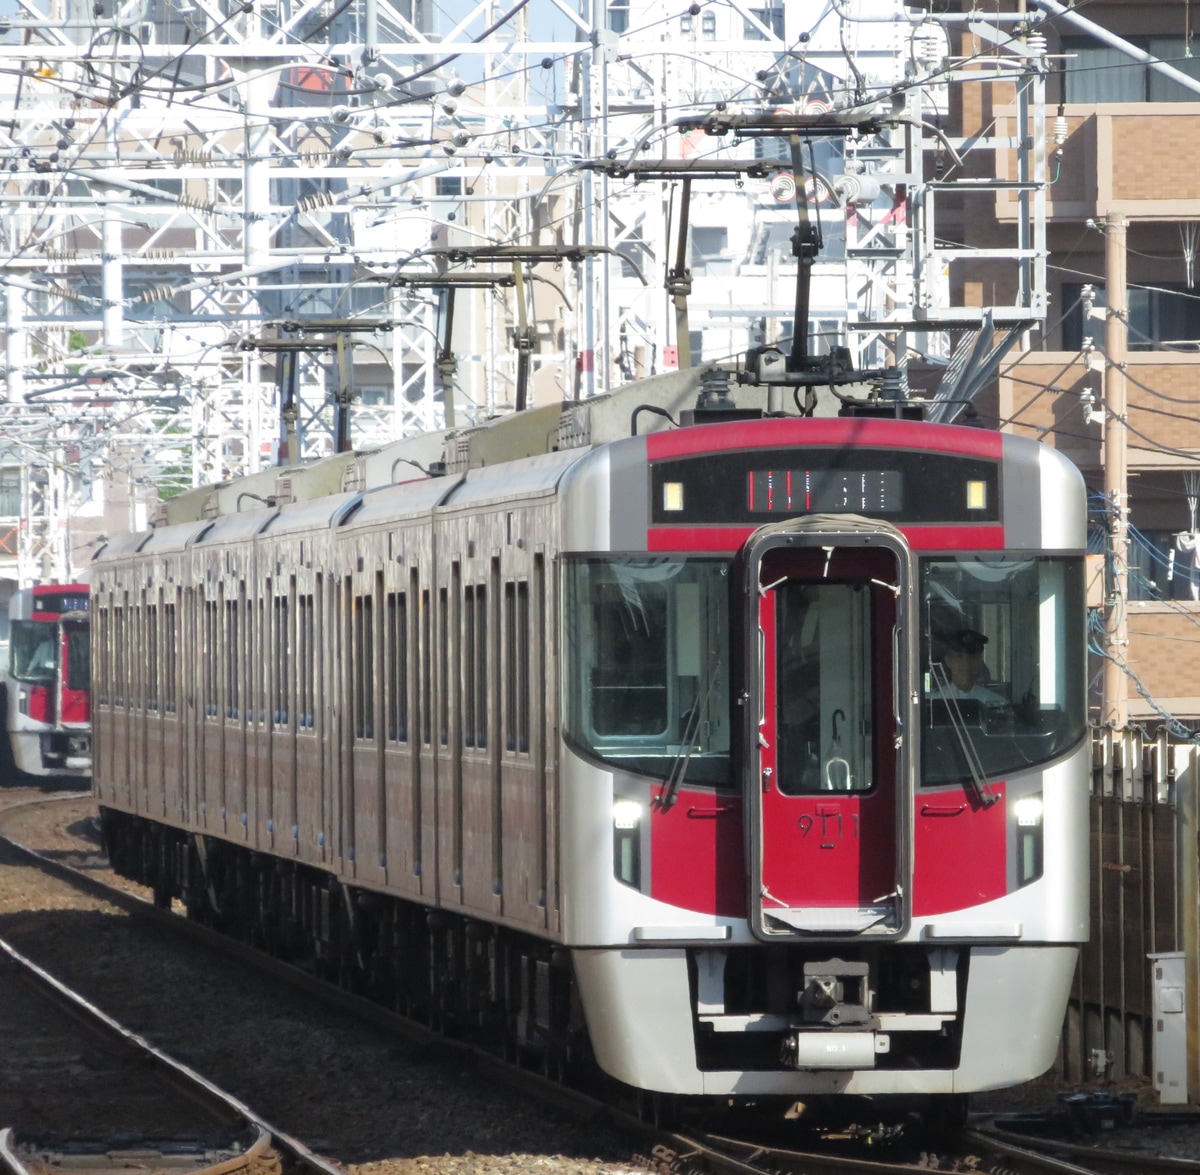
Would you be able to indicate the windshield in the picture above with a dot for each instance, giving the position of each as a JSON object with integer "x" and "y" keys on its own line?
{"x": 648, "y": 664}
{"x": 33, "y": 650}
{"x": 1004, "y": 663}
{"x": 79, "y": 656}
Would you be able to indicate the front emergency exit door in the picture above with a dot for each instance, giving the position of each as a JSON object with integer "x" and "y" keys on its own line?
{"x": 830, "y": 798}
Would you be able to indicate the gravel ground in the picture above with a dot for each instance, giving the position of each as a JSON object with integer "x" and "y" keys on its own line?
{"x": 379, "y": 1105}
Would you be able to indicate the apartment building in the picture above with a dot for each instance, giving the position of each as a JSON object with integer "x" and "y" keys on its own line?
{"x": 1123, "y": 144}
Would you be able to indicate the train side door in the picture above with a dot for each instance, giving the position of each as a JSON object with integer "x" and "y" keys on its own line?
{"x": 829, "y": 785}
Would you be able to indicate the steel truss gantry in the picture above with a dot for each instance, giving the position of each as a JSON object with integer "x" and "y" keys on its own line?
{"x": 178, "y": 173}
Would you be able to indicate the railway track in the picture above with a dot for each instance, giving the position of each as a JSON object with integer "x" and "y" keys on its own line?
{"x": 88, "y": 1094}
{"x": 688, "y": 1153}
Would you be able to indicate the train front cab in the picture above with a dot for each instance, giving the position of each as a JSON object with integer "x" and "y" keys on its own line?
{"x": 49, "y": 672}
{"x": 889, "y": 897}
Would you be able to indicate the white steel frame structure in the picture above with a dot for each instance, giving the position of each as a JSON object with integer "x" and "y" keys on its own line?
{"x": 183, "y": 178}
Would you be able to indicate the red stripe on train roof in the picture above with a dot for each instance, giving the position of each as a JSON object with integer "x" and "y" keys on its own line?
{"x": 776, "y": 432}
{"x": 731, "y": 538}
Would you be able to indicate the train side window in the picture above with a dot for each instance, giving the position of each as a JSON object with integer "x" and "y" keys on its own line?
{"x": 364, "y": 667}
{"x": 101, "y": 683}
{"x": 397, "y": 667}
{"x": 209, "y": 658}
{"x": 282, "y": 663}
{"x": 516, "y": 685}
{"x": 119, "y": 654}
{"x": 232, "y": 660}
{"x": 523, "y": 679}
{"x": 305, "y": 663}
{"x": 469, "y": 650}
{"x": 169, "y": 659}
{"x": 258, "y": 664}
{"x": 475, "y": 666}
{"x": 481, "y": 667}
{"x": 425, "y": 699}
{"x": 152, "y": 689}
{"x": 444, "y": 666}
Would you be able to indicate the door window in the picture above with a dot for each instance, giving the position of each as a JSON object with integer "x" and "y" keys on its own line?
{"x": 824, "y": 687}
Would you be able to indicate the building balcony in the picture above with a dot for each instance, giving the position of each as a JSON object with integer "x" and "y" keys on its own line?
{"x": 1136, "y": 158}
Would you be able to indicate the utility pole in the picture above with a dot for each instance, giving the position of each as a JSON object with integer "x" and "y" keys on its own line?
{"x": 1115, "y": 707}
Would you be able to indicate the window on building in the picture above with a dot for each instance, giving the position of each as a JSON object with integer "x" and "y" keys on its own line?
{"x": 10, "y": 492}
{"x": 710, "y": 244}
{"x": 770, "y": 18}
{"x": 1098, "y": 73}
{"x": 1163, "y": 318}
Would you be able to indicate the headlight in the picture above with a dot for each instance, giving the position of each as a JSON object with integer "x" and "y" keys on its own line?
{"x": 1027, "y": 811}
{"x": 627, "y": 842}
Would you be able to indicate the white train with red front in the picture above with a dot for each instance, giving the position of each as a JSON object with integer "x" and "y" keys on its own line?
{"x": 749, "y": 755}
{"x": 48, "y": 680}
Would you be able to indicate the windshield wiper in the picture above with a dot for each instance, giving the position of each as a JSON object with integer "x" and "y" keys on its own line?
{"x": 666, "y": 798}
{"x": 979, "y": 786}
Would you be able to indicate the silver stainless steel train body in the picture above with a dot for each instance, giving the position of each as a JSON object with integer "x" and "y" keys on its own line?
{"x": 687, "y": 710}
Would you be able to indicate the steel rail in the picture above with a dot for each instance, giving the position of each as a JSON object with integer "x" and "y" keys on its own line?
{"x": 677, "y": 1152}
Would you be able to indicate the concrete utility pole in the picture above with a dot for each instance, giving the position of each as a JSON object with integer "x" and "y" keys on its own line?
{"x": 1115, "y": 711}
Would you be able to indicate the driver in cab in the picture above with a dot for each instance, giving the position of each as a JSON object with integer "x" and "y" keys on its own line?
{"x": 965, "y": 674}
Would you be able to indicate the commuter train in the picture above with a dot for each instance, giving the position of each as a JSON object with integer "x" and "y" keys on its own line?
{"x": 745, "y": 758}
{"x": 49, "y": 680}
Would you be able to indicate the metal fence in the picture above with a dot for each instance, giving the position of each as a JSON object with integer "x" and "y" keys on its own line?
{"x": 1143, "y": 870}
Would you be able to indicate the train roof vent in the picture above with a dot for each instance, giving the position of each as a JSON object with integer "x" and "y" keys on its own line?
{"x": 575, "y": 423}
{"x": 283, "y": 491}
{"x": 504, "y": 438}
{"x": 212, "y": 506}
{"x": 158, "y": 515}
{"x": 456, "y": 452}
{"x": 354, "y": 476}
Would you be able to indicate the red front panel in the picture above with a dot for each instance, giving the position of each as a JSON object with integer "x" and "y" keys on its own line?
{"x": 41, "y": 703}
{"x": 828, "y": 836}
{"x": 76, "y": 707}
{"x": 697, "y": 855}
{"x": 959, "y": 851}
{"x": 836, "y": 432}
{"x": 699, "y": 539}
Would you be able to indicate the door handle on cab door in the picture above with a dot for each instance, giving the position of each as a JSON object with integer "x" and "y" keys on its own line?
{"x": 897, "y": 684}
{"x": 766, "y": 779}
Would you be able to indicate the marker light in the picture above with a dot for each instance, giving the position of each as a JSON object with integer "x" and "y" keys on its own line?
{"x": 1028, "y": 811}
{"x": 673, "y": 495}
{"x": 977, "y": 495}
{"x": 627, "y": 814}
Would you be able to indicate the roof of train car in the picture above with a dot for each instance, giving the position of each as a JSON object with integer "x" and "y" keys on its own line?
{"x": 170, "y": 540}
{"x": 235, "y": 528}
{"x": 121, "y": 545}
{"x": 402, "y": 500}
{"x": 315, "y": 514}
{"x": 522, "y": 478}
